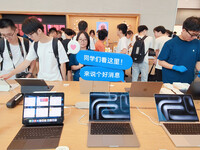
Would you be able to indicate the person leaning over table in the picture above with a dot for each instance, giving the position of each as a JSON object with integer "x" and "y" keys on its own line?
{"x": 181, "y": 55}
{"x": 48, "y": 66}
{"x": 84, "y": 41}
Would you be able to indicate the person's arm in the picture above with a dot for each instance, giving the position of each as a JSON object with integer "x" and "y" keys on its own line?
{"x": 31, "y": 69}
{"x": 198, "y": 66}
{"x": 123, "y": 51}
{"x": 69, "y": 75}
{"x": 19, "y": 69}
{"x": 63, "y": 71}
{"x": 76, "y": 67}
{"x": 165, "y": 64}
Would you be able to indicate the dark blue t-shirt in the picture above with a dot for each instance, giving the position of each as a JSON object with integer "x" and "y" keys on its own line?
{"x": 180, "y": 53}
{"x": 73, "y": 61}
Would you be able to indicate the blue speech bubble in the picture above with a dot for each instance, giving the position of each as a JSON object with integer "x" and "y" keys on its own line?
{"x": 101, "y": 74}
{"x": 105, "y": 59}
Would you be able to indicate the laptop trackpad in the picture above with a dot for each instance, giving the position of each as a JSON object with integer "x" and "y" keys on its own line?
{"x": 113, "y": 140}
{"x": 193, "y": 140}
{"x": 34, "y": 144}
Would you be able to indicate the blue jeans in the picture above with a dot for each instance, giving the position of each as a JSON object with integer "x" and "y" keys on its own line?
{"x": 140, "y": 67}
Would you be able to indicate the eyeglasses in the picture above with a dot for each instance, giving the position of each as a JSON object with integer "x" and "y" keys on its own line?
{"x": 9, "y": 35}
{"x": 192, "y": 35}
{"x": 30, "y": 34}
{"x": 80, "y": 40}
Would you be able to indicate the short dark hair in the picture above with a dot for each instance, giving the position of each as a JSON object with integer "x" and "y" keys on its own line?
{"x": 102, "y": 34}
{"x": 122, "y": 27}
{"x": 92, "y": 31}
{"x": 82, "y": 25}
{"x": 69, "y": 32}
{"x": 87, "y": 37}
{"x": 52, "y": 30}
{"x": 74, "y": 33}
{"x": 32, "y": 24}
{"x": 59, "y": 32}
{"x": 142, "y": 28}
{"x": 5, "y": 23}
{"x": 129, "y": 32}
{"x": 169, "y": 32}
{"x": 160, "y": 29}
{"x": 192, "y": 24}
{"x": 63, "y": 29}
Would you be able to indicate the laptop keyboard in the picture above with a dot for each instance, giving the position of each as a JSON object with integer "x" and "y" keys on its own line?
{"x": 111, "y": 129}
{"x": 39, "y": 132}
{"x": 183, "y": 129}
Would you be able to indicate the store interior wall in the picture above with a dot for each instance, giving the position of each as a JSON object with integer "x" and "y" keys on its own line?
{"x": 152, "y": 12}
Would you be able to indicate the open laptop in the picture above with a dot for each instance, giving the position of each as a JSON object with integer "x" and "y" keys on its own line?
{"x": 30, "y": 85}
{"x": 43, "y": 115}
{"x": 93, "y": 86}
{"x": 144, "y": 89}
{"x": 110, "y": 124}
{"x": 194, "y": 90}
{"x": 178, "y": 117}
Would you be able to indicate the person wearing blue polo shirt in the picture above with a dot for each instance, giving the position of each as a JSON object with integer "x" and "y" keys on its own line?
{"x": 181, "y": 55}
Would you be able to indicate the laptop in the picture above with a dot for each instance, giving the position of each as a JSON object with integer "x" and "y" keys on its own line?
{"x": 93, "y": 86}
{"x": 178, "y": 117}
{"x": 109, "y": 121}
{"x": 144, "y": 89}
{"x": 30, "y": 85}
{"x": 43, "y": 115}
{"x": 194, "y": 90}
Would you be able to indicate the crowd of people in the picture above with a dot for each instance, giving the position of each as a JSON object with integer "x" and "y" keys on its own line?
{"x": 177, "y": 58}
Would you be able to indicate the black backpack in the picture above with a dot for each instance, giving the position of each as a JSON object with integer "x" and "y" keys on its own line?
{"x": 55, "y": 51}
{"x": 2, "y": 47}
{"x": 138, "y": 52}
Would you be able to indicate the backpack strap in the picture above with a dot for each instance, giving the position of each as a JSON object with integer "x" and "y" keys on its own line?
{"x": 26, "y": 45}
{"x": 35, "y": 46}
{"x": 55, "y": 51}
{"x": 144, "y": 38}
{"x": 2, "y": 47}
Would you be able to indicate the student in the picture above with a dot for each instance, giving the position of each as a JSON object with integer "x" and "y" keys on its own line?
{"x": 84, "y": 41}
{"x": 161, "y": 38}
{"x": 48, "y": 65}
{"x": 174, "y": 34}
{"x": 53, "y": 32}
{"x": 13, "y": 50}
{"x": 102, "y": 35}
{"x": 92, "y": 36}
{"x": 180, "y": 55}
{"x": 69, "y": 34}
{"x": 59, "y": 35}
{"x": 129, "y": 36}
{"x": 63, "y": 33}
{"x": 122, "y": 46}
{"x": 83, "y": 26}
{"x": 144, "y": 66}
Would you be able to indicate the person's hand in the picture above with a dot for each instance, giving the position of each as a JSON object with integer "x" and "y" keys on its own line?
{"x": 199, "y": 74}
{"x": 5, "y": 76}
{"x": 29, "y": 75}
{"x": 179, "y": 68}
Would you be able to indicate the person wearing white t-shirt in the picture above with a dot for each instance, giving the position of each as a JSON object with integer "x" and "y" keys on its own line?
{"x": 122, "y": 46}
{"x": 15, "y": 51}
{"x": 144, "y": 66}
{"x": 48, "y": 65}
{"x": 129, "y": 36}
{"x": 161, "y": 38}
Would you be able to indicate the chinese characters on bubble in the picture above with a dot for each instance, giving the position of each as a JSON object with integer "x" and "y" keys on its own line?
{"x": 104, "y": 60}
{"x": 103, "y": 74}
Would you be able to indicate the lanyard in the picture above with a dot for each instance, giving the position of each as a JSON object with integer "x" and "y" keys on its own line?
{"x": 10, "y": 53}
